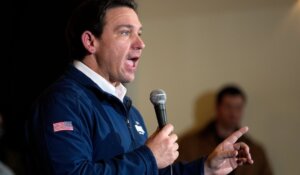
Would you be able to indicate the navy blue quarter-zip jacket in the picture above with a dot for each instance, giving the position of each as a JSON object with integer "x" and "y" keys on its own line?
{"x": 78, "y": 129}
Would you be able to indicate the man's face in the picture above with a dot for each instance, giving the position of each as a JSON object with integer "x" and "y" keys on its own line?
{"x": 120, "y": 45}
{"x": 230, "y": 111}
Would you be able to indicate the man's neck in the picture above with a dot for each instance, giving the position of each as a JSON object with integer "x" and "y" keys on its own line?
{"x": 91, "y": 62}
{"x": 223, "y": 131}
{"x": 117, "y": 90}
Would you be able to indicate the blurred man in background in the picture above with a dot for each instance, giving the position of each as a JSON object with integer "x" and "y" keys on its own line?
{"x": 230, "y": 104}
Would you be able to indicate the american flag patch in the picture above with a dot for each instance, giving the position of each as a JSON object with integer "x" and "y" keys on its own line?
{"x": 63, "y": 126}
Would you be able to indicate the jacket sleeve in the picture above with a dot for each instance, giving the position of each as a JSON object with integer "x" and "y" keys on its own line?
{"x": 185, "y": 168}
{"x": 70, "y": 151}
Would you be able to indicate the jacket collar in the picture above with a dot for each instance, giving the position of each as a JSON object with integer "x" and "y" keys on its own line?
{"x": 85, "y": 81}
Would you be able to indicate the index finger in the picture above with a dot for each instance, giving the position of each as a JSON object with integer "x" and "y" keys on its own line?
{"x": 236, "y": 135}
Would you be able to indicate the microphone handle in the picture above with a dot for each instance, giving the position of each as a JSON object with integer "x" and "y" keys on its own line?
{"x": 161, "y": 114}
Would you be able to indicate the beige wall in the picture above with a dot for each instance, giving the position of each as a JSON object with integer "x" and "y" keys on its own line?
{"x": 195, "y": 46}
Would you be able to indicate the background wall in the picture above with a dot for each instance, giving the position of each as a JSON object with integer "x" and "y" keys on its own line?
{"x": 193, "y": 47}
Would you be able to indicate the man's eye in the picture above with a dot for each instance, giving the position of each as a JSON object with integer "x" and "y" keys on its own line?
{"x": 125, "y": 33}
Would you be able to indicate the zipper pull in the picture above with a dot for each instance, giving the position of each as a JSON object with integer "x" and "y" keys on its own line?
{"x": 128, "y": 123}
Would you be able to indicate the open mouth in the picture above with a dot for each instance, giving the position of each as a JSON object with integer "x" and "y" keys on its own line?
{"x": 132, "y": 61}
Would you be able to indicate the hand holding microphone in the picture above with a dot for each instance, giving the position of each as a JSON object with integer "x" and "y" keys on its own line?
{"x": 224, "y": 159}
{"x": 162, "y": 143}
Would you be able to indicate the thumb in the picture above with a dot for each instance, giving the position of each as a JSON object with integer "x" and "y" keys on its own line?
{"x": 166, "y": 130}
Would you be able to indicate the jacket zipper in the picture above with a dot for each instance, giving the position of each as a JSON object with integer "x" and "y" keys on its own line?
{"x": 129, "y": 129}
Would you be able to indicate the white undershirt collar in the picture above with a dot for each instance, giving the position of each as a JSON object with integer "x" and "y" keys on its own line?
{"x": 118, "y": 91}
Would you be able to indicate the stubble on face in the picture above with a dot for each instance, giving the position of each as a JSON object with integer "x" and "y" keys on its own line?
{"x": 117, "y": 54}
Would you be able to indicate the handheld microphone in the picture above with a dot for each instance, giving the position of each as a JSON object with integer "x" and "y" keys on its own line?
{"x": 158, "y": 98}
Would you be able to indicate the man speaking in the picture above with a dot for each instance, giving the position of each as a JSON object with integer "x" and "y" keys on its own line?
{"x": 84, "y": 124}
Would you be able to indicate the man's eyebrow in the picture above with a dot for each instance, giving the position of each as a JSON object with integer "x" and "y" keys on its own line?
{"x": 127, "y": 26}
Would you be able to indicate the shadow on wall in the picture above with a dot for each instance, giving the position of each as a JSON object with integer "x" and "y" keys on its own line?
{"x": 203, "y": 110}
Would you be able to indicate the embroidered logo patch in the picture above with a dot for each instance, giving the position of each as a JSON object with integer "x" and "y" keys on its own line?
{"x": 63, "y": 126}
{"x": 139, "y": 128}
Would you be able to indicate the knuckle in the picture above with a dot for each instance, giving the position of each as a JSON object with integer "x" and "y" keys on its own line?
{"x": 168, "y": 129}
{"x": 176, "y": 145}
{"x": 175, "y": 155}
{"x": 242, "y": 143}
{"x": 175, "y": 137}
{"x": 171, "y": 125}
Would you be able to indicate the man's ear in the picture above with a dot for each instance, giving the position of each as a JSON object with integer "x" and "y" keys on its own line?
{"x": 89, "y": 41}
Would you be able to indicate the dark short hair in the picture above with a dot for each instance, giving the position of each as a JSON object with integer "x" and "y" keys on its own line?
{"x": 90, "y": 15}
{"x": 229, "y": 90}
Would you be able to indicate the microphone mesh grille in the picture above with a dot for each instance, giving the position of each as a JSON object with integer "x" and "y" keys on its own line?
{"x": 158, "y": 96}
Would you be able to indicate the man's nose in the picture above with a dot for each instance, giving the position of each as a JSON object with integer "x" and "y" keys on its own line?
{"x": 139, "y": 43}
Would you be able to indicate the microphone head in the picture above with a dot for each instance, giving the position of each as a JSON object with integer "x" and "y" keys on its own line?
{"x": 158, "y": 96}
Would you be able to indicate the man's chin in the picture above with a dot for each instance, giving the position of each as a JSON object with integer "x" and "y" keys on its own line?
{"x": 231, "y": 126}
{"x": 128, "y": 80}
